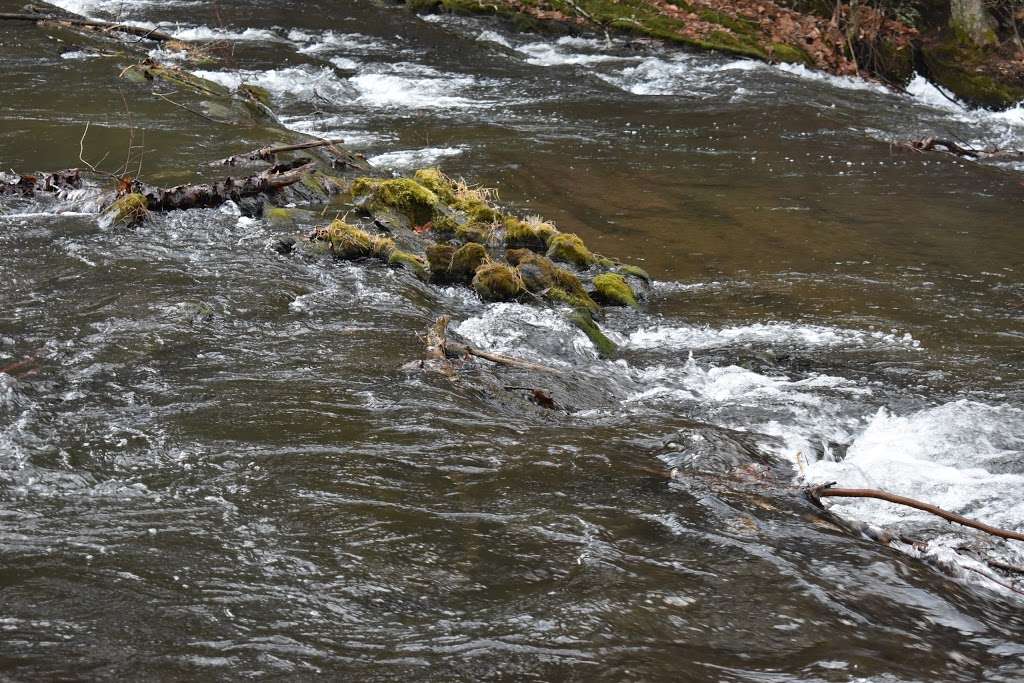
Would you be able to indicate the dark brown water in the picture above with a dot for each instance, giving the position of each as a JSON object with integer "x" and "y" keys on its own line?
{"x": 214, "y": 463}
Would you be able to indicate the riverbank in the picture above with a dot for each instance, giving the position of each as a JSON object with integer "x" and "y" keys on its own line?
{"x": 871, "y": 42}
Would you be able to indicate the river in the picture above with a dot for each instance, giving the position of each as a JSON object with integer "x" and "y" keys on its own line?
{"x": 217, "y": 462}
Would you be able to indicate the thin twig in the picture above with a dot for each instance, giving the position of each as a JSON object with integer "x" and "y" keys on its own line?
{"x": 826, "y": 491}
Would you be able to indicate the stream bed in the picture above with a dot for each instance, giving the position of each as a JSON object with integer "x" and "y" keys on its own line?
{"x": 220, "y": 462}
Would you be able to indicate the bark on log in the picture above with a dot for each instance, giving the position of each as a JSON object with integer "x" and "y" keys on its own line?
{"x": 816, "y": 493}
{"x": 270, "y": 153}
{"x": 206, "y": 196}
{"x": 71, "y": 22}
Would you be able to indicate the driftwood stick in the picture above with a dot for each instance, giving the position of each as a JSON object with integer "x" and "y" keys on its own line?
{"x": 151, "y": 33}
{"x": 826, "y": 491}
{"x": 268, "y": 153}
{"x": 439, "y": 347}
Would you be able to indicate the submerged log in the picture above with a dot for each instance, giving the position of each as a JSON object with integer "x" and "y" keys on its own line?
{"x": 94, "y": 24}
{"x": 270, "y": 153}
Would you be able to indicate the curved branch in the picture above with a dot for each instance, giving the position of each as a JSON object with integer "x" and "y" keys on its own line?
{"x": 825, "y": 491}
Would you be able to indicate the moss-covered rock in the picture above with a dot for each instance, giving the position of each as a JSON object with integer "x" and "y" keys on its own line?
{"x": 495, "y": 282}
{"x": 533, "y": 234}
{"x": 437, "y": 182}
{"x": 403, "y": 195}
{"x": 634, "y": 271}
{"x": 570, "y": 248}
{"x": 612, "y": 289}
{"x": 605, "y": 347}
{"x": 474, "y": 232}
{"x": 131, "y": 209}
{"x": 541, "y": 275}
{"x": 451, "y": 265}
{"x": 349, "y": 242}
{"x": 963, "y": 70}
{"x": 404, "y": 259}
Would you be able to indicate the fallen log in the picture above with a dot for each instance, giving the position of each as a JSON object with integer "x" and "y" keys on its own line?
{"x": 816, "y": 493}
{"x": 72, "y": 22}
{"x": 28, "y": 186}
{"x": 207, "y": 196}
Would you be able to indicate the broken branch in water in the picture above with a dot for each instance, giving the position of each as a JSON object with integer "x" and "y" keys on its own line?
{"x": 150, "y": 33}
{"x": 439, "y": 347}
{"x": 270, "y": 153}
{"x": 816, "y": 493}
{"x": 934, "y": 144}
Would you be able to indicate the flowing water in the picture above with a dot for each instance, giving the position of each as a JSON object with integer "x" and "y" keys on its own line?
{"x": 216, "y": 461}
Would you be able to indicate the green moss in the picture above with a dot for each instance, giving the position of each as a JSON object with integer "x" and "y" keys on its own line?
{"x": 569, "y": 248}
{"x": 450, "y": 265}
{"x": 533, "y": 235}
{"x": 474, "y": 232}
{"x": 444, "y": 226}
{"x": 183, "y": 79}
{"x": 613, "y": 290}
{"x": 411, "y": 261}
{"x": 962, "y": 70}
{"x": 131, "y": 209}
{"x": 279, "y": 216}
{"x": 541, "y": 276}
{"x": 323, "y": 184}
{"x": 635, "y": 271}
{"x": 255, "y": 92}
{"x": 497, "y": 282}
{"x": 437, "y": 182}
{"x": 478, "y": 210}
{"x": 781, "y": 52}
{"x": 405, "y": 196}
{"x": 582, "y": 319}
{"x": 349, "y": 242}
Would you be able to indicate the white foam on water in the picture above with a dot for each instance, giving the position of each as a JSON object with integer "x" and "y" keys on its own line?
{"x": 79, "y": 54}
{"x": 842, "y": 82}
{"x": 548, "y": 54}
{"x": 506, "y": 329}
{"x": 334, "y": 128}
{"x": 305, "y": 83}
{"x": 207, "y": 34}
{"x": 412, "y": 86}
{"x": 780, "y": 334}
{"x": 344, "y": 63}
{"x": 962, "y": 456}
{"x": 329, "y": 41}
{"x": 493, "y": 37}
{"x": 414, "y": 158}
